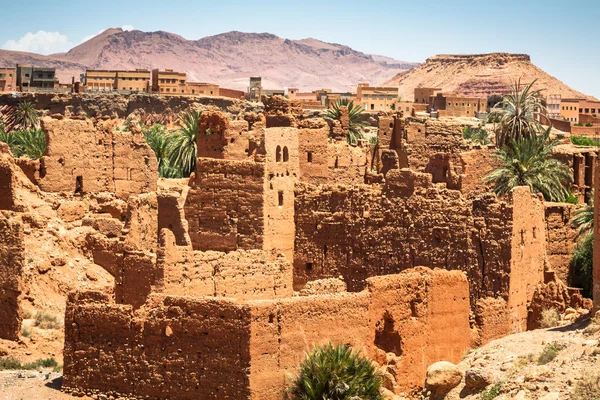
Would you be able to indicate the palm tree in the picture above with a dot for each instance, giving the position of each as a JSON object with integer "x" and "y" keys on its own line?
{"x": 159, "y": 139}
{"x": 336, "y": 373}
{"x": 355, "y": 114}
{"x": 583, "y": 219}
{"x": 29, "y": 142}
{"x": 517, "y": 112}
{"x": 529, "y": 162}
{"x": 27, "y": 116}
{"x": 182, "y": 148}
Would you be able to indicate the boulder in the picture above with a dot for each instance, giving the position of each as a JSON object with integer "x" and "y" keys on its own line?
{"x": 442, "y": 377}
{"x": 477, "y": 379}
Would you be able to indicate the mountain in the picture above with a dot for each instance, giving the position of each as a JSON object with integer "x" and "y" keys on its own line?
{"x": 478, "y": 75}
{"x": 228, "y": 59}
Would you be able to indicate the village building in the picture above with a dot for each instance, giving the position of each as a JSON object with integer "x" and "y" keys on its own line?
{"x": 33, "y": 78}
{"x": 109, "y": 80}
{"x": 572, "y": 110}
{"x": 8, "y": 79}
{"x": 375, "y": 98}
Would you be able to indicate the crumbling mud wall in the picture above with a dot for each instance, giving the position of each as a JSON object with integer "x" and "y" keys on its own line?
{"x": 241, "y": 274}
{"x": 7, "y": 179}
{"x": 596, "y": 256}
{"x": 323, "y": 160}
{"x": 11, "y": 273}
{"x": 85, "y": 158}
{"x": 359, "y": 232}
{"x": 224, "y": 207}
{"x": 561, "y": 237}
{"x": 240, "y": 350}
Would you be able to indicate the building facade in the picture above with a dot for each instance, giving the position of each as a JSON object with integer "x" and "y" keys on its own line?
{"x": 553, "y": 105}
{"x": 453, "y": 105}
{"x": 109, "y": 80}
{"x": 8, "y": 79}
{"x": 423, "y": 95}
{"x": 376, "y": 98}
{"x": 30, "y": 77}
{"x": 168, "y": 81}
{"x": 572, "y": 109}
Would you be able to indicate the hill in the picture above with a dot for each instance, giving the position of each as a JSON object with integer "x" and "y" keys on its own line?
{"x": 228, "y": 59}
{"x": 477, "y": 75}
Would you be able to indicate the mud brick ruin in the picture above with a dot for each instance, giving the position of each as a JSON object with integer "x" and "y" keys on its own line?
{"x": 284, "y": 237}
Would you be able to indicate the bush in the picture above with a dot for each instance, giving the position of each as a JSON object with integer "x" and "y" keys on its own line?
{"x": 587, "y": 388}
{"x": 584, "y": 141}
{"x": 550, "y": 318}
{"x": 30, "y": 143}
{"x": 550, "y": 352}
{"x": 46, "y": 320}
{"x": 336, "y": 373}
{"x": 580, "y": 271}
{"x": 13, "y": 363}
{"x": 492, "y": 392}
{"x": 571, "y": 198}
{"x": 476, "y": 135}
{"x": 588, "y": 124}
{"x": 25, "y": 332}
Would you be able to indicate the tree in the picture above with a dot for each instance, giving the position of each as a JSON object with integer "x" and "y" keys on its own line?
{"x": 528, "y": 161}
{"x": 580, "y": 272}
{"x": 29, "y": 142}
{"x": 517, "y": 112}
{"x": 355, "y": 116}
{"x": 336, "y": 373}
{"x": 182, "y": 148}
{"x": 27, "y": 116}
{"x": 476, "y": 135}
{"x": 159, "y": 139}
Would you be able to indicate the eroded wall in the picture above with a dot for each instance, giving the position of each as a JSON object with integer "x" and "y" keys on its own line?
{"x": 11, "y": 273}
{"x": 242, "y": 350}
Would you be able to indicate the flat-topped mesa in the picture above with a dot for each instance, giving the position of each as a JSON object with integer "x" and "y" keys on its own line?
{"x": 485, "y": 59}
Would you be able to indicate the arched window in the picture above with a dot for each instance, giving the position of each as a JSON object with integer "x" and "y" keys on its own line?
{"x": 286, "y": 154}
{"x": 278, "y": 154}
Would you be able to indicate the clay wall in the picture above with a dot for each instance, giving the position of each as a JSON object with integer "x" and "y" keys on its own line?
{"x": 563, "y": 126}
{"x": 180, "y": 348}
{"x": 85, "y": 158}
{"x": 560, "y": 237}
{"x": 585, "y": 130}
{"x": 358, "y": 232}
{"x": 77, "y": 155}
{"x": 134, "y": 165}
{"x": 241, "y": 274}
{"x": 282, "y": 168}
{"x": 324, "y": 161}
{"x": 7, "y": 181}
{"x": 247, "y": 350}
{"x": 528, "y": 252}
{"x": 11, "y": 271}
{"x": 224, "y": 207}
{"x": 218, "y": 137}
{"x": 232, "y": 93}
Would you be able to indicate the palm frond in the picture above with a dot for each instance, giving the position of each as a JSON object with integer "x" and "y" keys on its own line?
{"x": 27, "y": 116}
{"x": 356, "y": 124}
{"x": 529, "y": 162}
{"x": 182, "y": 148}
{"x": 583, "y": 219}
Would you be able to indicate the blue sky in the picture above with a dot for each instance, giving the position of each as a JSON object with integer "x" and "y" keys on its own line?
{"x": 562, "y": 37}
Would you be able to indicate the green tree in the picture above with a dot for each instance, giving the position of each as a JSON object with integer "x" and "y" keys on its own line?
{"x": 356, "y": 124}
{"x": 27, "y": 116}
{"x": 182, "y": 147}
{"x": 336, "y": 373}
{"x": 476, "y": 135}
{"x": 517, "y": 114}
{"x": 159, "y": 139}
{"x": 528, "y": 161}
{"x": 29, "y": 142}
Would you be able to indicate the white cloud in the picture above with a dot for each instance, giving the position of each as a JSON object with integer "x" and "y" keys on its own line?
{"x": 124, "y": 27}
{"x": 41, "y": 42}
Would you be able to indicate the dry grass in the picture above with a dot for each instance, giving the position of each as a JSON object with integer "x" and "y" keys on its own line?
{"x": 550, "y": 318}
{"x": 594, "y": 326}
{"x": 549, "y": 353}
{"x": 587, "y": 388}
{"x": 47, "y": 320}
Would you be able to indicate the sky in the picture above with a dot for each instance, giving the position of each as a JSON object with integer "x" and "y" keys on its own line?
{"x": 561, "y": 36}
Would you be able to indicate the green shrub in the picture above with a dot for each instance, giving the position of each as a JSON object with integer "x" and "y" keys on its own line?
{"x": 29, "y": 142}
{"x": 476, "y": 135}
{"x": 492, "y": 392}
{"x": 46, "y": 320}
{"x": 548, "y": 354}
{"x": 584, "y": 141}
{"x": 25, "y": 332}
{"x": 13, "y": 363}
{"x": 336, "y": 372}
{"x": 580, "y": 271}
{"x": 588, "y": 124}
{"x": 571, "y": 198}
